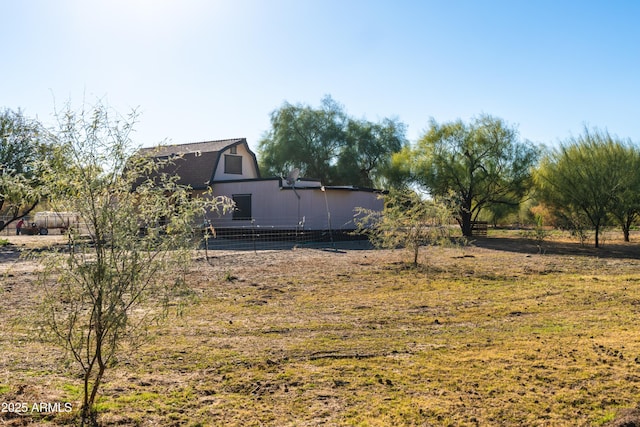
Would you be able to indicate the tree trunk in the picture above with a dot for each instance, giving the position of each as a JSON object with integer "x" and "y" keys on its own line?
{"x": 465, "y": 224}
{"x": 89, "y": 415}
{"x": 626, "y": 227}
{"x": 85, "y": 410}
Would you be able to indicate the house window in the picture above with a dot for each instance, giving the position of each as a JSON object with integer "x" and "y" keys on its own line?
{"x": 234, "y": 149}
{"x": 242, "y": 210}
{"x": 233, "y": 164}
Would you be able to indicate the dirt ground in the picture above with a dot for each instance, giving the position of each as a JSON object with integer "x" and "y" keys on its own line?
{"x": 265, "y": 279}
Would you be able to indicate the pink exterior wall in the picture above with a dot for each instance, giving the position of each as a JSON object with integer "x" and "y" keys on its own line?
{"x": 280, "y": 208}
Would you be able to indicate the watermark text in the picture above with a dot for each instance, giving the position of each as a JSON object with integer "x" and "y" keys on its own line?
{"x": 35, "y": 407}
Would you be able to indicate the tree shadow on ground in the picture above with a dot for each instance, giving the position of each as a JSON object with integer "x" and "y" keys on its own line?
{"x": 9, "y": 253}
{"x": 528, "y": 246}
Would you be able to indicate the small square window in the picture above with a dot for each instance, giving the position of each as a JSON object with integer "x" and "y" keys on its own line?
{"x": 233, "y": 164}
{"x": 234, "y": 149}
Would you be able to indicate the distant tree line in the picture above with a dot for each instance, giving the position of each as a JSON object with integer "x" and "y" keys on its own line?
{"x": 483, "y": 168}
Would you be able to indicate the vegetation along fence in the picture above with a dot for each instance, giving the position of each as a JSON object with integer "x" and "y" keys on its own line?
{"x": 256, "y": 237}
{"x": 243, "y": 238}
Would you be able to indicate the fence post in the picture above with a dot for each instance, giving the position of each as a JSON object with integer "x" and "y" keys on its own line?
{"x": 253, "y": 235}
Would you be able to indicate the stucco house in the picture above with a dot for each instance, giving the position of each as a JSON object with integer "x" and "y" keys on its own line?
{"x": 230, "y": 168}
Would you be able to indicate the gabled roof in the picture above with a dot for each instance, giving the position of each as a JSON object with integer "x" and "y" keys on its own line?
{"x": 197, "y": 161}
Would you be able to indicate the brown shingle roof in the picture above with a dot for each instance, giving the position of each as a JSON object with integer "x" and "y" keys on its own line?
{"x": 197, "y": 162}
{"x": 193, "y": 147}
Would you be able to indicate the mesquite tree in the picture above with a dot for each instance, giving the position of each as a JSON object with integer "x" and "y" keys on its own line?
{"x": 122, "y": 264}
{"x": 407, "y": 221}
{"x": 325, "y": 143}
{"x": 23, "y": 152}
{"x": 481, "y": 164}
{"x": 592, "y": 176}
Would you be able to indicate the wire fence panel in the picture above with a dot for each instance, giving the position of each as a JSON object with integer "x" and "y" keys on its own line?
{"x": 265, "y": 238}
{"x": 240, "y": 238}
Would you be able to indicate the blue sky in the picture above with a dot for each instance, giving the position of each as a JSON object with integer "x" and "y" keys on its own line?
{"x": 215, "y": 69}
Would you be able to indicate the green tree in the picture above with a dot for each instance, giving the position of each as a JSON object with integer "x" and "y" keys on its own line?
{"x": 22, "y": 153}
{"x": 304, "y": 138}
{"x": 407, "y": 221}
{"x": 366, "y": 157}
{"x": 481, "y": 164}
{"x": 325, "y": 143}
{"x": 625, "y": 207}
{"x": 585, "y": 177}
{"x": 123, "y": 264}
{"x": 499, "y": 213}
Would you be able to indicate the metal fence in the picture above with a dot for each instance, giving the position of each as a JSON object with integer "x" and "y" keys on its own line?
{"x": 247, "y": 238}
{"x": 265, "y": 238}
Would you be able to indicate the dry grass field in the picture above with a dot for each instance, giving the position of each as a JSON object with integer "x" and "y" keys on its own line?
{"x": 492, "y": 334}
